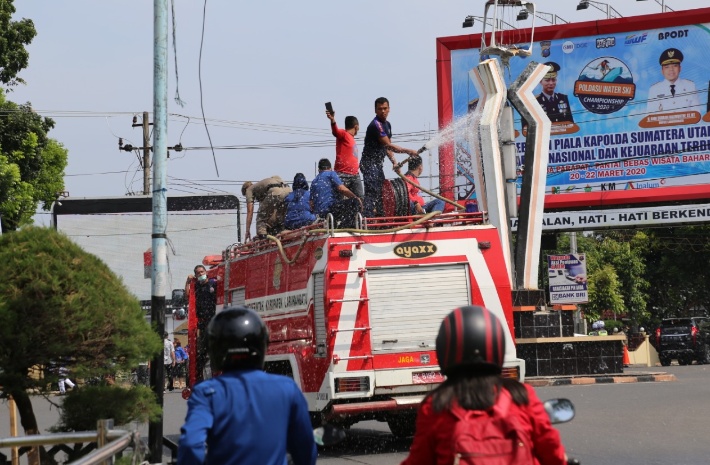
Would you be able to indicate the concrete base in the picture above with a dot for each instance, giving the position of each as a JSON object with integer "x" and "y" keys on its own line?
{"x": 571, "y": 356}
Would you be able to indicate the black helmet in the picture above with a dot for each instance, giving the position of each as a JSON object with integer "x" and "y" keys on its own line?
{"x": 470, "y": 337}
{"x": 237, "y": 340}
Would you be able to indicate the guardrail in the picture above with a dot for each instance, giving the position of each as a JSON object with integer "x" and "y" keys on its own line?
{"x": 107, "y": 441}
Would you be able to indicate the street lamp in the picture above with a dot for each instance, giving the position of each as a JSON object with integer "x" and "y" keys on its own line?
{"x": 549, "y": 17}
{"x": 664, "y": 7}
{"x": 608, "y": 9}
{"x": 468, "y": 22}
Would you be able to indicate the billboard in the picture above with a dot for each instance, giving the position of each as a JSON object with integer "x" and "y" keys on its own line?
{"x": 119, "y": 231}
{"x": 567, "y": 276}
{"x": 628, "y": 100}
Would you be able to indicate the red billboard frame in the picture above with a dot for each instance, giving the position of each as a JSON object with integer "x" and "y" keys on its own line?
{"x": 445, "y": 45}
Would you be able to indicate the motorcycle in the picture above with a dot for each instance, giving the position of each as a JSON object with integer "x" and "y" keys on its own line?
{"x": 559, "y": 411}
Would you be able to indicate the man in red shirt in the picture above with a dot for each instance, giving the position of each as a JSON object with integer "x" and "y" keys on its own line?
{"x": 417, "y": 206}
{"x": 346, "y": 153}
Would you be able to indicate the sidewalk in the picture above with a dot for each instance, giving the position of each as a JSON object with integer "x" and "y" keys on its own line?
{"x": 631, "y": 375}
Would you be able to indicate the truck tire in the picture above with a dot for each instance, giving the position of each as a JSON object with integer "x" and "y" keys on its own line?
{"x": 402, "y": 425}
{"x": 665, "y": 361}
{"x": 705, "y": 358}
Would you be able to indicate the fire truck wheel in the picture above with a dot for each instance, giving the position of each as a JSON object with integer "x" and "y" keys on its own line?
{"x": 316, "y": 419}
{"x": 402, "y": 425}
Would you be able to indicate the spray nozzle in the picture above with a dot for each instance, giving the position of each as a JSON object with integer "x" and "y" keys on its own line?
{"x": 421, "y": 150}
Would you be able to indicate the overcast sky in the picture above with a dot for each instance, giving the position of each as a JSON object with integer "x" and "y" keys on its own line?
{"x": 267, "y": 69}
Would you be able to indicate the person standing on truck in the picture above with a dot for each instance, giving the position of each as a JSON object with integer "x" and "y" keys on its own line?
{"x": 298, "y": 204}
{"x": 327, "y": 191}
{"x": 346, "y": 153}
{"x": 244, "y": 415}
{"x": 205, "y": 308}
{"x": 470, "y": 347}
{"x": 270, "y": 193}
{"x": 416, "y": 201}
{"x": 378, "y": 145}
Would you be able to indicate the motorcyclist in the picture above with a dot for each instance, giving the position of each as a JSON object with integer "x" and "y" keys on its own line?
{"x": 244, "y": 415}
{"x": 470, "y": 347}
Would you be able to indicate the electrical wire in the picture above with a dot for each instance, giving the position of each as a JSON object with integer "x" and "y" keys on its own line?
{"x": 199, "y": 78}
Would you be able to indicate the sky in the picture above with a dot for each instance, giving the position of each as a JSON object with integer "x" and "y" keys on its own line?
{"x": 261, "y": 72}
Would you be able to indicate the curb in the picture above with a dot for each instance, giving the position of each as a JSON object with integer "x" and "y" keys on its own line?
{"x": 601, "y": 379}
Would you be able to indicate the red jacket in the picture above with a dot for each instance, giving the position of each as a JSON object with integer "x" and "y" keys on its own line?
{"x": 432, "y": 440}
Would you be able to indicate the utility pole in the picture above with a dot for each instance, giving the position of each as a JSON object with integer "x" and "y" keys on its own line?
{"x": 160, "y": 200}
{"x": 146, "y": 154}
{"x": 145, "y": 124}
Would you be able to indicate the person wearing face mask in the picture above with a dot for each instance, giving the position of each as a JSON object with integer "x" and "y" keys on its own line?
{"x": 205, "y": 308}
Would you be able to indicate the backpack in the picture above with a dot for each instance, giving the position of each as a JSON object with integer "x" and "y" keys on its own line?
{"x": 490, "y": 437}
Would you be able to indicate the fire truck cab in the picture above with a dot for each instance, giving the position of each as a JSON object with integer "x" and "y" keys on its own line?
{"x": 353, "y": 315}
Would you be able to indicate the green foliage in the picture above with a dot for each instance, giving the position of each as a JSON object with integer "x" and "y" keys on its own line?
{"x": 31, "y": 164}
{"x": 83, "y": 407}
{"x": 616, "y": 272}
{"x": 14, "y": 36}
{"x": 604, "y": 293}
{"x": 609, "y": 325}
{"x": 678, "y": 271}
{"x": 59, "y": 302}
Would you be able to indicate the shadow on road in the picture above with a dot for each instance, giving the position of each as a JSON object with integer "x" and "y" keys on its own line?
{"x": 361, "y": 441}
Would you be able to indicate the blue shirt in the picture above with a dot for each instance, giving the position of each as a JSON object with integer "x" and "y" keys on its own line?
{"x": 324, "y": 189}
{"x": 298, "y": 209}
{"x": 247, "y": 417}
{"x": 373, "y": 151}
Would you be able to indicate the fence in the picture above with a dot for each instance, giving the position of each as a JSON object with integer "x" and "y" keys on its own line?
{"x": 104, "y": 444}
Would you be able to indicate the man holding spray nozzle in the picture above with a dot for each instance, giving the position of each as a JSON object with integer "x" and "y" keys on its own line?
{"x": 378, "y": 144}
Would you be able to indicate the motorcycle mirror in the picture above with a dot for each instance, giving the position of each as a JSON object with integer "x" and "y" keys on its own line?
{"x": 559, "y": 410}
{"x": 327, "y": 435}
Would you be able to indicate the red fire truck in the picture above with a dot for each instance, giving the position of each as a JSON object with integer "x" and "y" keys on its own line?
{"x": 353, "y": 315}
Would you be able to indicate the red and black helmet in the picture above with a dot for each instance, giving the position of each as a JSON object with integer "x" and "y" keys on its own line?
{"x": 470, "y": 337}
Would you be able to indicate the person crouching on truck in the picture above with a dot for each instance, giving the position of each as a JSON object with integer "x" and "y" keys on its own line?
{"x": 298, "y": 204}
{"x": 244, "y": 415}
{"x": 416, "y": 201}
{"x": 470, "y": 347}
{"x": 327, "y": 192}
{"x": 270, "y": 193}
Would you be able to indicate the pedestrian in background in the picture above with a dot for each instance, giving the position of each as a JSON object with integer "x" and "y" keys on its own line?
{"x": 169, "y": 361}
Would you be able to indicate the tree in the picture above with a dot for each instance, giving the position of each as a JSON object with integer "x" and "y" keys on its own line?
{"x": 678, "y": 271}
{"x": 58, "y": 302}
{"x": 31, "y": 164}
{"x": 14, "y": 36}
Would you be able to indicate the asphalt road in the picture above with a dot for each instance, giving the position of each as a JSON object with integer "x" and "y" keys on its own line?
{"x": 632, "y": 424}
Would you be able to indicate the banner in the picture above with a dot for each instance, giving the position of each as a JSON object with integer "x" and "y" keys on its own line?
{"x": 567, "y": 279}
{"x": 630, "y": 110}
{"x": 590, "y": 220}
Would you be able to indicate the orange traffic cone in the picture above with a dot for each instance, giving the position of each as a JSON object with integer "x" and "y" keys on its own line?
{"x": 627, "y": 360}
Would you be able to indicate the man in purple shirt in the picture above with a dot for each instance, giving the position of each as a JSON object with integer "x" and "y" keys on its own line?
{"x": 377, "y": 146}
